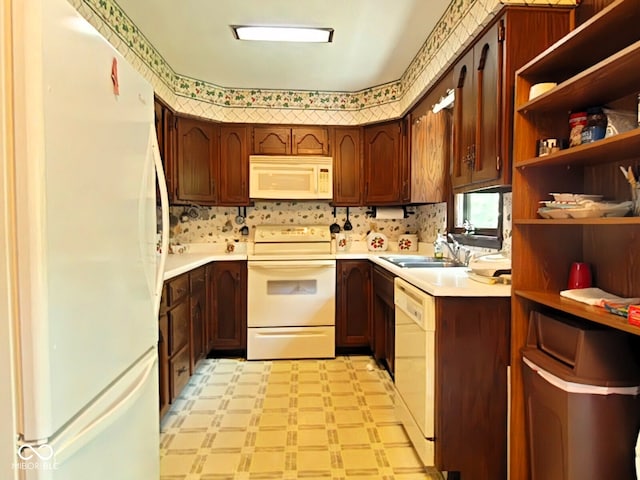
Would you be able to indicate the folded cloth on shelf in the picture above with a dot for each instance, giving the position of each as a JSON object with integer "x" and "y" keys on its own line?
{"x": 596, "y": 296}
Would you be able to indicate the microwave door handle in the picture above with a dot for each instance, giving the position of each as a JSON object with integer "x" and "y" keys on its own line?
{"x": 316, "y": 172}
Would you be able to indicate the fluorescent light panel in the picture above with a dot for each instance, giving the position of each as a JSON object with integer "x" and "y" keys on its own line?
{"x": 282, "y": 34}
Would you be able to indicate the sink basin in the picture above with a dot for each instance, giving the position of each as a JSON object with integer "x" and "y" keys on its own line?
{"x": 420, "y": 261}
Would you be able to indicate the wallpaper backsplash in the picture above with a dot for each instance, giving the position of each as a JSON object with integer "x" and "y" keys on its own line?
{"x": 218, "y": 224}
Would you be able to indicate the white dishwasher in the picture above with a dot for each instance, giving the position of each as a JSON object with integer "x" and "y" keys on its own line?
{"x": 415, "y": 366}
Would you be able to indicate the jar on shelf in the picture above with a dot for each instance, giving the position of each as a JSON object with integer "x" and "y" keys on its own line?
{"x": 577, "y": 122}
{"x": 596, "y": 126}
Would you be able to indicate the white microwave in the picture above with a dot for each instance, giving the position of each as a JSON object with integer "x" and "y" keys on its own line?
{"x": 290, "y": 177}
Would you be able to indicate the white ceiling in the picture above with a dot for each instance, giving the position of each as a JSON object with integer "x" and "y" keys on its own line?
{"x": 374, "y": 41}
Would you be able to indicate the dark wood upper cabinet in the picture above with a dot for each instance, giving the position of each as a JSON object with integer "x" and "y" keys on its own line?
{"x": 166, "y": 132}
{"x": 430, "y": 154}
{"x": 385, "y": 165}
{"x": 347, "y": 166}
{"x": 271, "y": 141}
{"x": 310, "y": 141}
{"x": 290, "y": 140}
{"x": 353, "y": 303}
{"x": 484, "y": 83}
{"x": 234, "y": 165}
{"x": 197, "y": 179}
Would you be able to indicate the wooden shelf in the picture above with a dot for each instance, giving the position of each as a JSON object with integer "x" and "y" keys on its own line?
{"x": 621, "y": 147}
{"x": 622, "y": 16}
{"x": 578, "y": 221}
{"x": 610, "y": 79}
{"x": 595, "y": 314}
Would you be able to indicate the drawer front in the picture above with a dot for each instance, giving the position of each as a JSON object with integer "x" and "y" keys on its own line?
{"x": 178, "y": 327}
{"x": 178, "y": 289}
{"x": 179, "y": 371}
{"x": 197, "y": 278}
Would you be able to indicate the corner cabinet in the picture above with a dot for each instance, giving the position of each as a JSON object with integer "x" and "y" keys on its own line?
{"x": 196, "y": 170}
{"x": 484, "y": 93}
{"x": 386, "y": 165}
{"x": 227, "y": 329}
{"x": 598, "y": 64}
{"x": 353, "y": 304}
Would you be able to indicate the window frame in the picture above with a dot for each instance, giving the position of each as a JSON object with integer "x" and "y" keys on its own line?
{"x": 482, "y": 237}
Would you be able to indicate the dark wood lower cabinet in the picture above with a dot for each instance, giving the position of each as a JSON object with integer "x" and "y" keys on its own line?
{"x": 353, "y": 304}
{"x": 227, "y": 293}
{"x": 163, "y": 363}
{"x": 201, "y": 311}
{"x": 198, "y": 303}
{"x": 383, "y": 322}
{"x": 472, "y": 354}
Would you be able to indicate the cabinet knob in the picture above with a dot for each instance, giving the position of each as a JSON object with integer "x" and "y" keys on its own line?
{"x": 182, "y": 370}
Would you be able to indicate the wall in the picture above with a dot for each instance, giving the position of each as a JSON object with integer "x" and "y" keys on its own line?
{"x": 463, "y": 20}
{"x": 207, "y": 228}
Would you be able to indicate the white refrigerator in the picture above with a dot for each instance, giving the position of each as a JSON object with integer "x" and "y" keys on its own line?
{"x": 88, "y": 275}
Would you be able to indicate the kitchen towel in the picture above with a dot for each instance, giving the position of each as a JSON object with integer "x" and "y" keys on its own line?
{"x": 389, "y": 213}
{"x": 596, "y": 296}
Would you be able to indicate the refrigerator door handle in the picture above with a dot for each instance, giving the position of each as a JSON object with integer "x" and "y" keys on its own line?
{"x": 106, "y": 410}
{"x": 164, "y": 205}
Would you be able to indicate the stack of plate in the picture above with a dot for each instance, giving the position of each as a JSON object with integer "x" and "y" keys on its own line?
{"x": 580, "y": 205}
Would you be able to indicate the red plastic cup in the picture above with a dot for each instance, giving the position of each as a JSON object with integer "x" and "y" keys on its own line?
{"x": 579, "y": 275}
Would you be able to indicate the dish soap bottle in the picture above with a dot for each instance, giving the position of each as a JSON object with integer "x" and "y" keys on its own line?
{"x": 438, "y": 251}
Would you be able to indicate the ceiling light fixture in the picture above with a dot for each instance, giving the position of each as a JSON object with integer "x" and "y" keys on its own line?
{"x": 282, "y": 34}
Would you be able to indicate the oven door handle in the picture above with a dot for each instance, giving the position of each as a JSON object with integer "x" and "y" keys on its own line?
{"x": 290, "y": 265}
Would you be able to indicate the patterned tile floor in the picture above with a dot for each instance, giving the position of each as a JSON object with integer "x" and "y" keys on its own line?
{"x": 300, "y": 419}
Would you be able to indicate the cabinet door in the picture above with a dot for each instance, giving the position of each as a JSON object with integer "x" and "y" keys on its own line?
{"x": 384, "y": 184}
{"x": 165, "y": 131}
{"x": 309, "y": 141}
{"x": 429, "y": 157}
{"x": 383, "y": 328}
{"x": 228, "y": 297}
{"x": 234, "y": 165}
{"x": 464, "y": 121}
{"x": 487, "y": 54}
{"x": 197, "y": 158}
{"x": 198, "y": 303}
{"x": 353, "y": 301}
{"x": 347, "y": 167}
{"x": 271, "y": 140}
{"x": 163, "y": 363}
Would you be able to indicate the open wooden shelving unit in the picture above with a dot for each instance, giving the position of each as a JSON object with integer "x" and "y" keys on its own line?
{"x": 595, "y": 65}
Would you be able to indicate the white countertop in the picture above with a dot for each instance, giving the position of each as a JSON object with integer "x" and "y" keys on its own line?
{"x": 440, "y": 282}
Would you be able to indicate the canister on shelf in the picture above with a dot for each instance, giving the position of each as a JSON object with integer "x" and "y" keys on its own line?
{"x": 596, "y": 126}
{"x": 577, "y": 122}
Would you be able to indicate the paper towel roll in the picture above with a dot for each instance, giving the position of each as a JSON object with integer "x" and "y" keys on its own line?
{"x": 389, "y": 213}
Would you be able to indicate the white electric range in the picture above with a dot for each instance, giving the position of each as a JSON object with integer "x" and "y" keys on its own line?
{"x": 291, "y": 293}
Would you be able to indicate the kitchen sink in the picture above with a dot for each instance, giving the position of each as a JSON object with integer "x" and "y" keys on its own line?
{"x": 421, "y": 261}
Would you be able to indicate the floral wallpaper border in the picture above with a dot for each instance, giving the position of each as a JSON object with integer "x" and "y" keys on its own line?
{"x": 453, "y": 31}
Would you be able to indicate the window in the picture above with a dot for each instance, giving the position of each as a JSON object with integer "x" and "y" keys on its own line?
{"x": 478, "y": 219}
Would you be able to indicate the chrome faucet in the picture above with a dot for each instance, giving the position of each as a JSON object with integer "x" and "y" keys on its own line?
{"x": 456, "y": 250}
